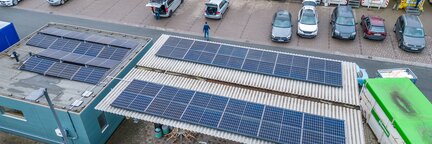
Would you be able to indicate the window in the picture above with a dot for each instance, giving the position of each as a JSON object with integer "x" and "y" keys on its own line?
{"x": 222, "y": 4}
{"x": 170, "y": 2}
{"x": 10, "y": 112}
{"x": 102, "y": 122}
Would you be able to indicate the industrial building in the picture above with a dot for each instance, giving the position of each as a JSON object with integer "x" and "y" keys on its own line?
{"x": 324, "y": 89}
{"x": 77, "y": 66}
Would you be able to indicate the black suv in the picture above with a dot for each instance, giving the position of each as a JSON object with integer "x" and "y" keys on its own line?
{"x": 343, "y": 23}
{"x": 409, "y": 33}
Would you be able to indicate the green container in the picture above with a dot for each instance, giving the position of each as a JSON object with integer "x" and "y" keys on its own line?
{"x": 165, "y": 129}
{"x": 158, "y": 133}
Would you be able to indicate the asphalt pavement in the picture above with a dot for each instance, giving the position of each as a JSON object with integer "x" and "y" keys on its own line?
{"x": 27, "y": 22}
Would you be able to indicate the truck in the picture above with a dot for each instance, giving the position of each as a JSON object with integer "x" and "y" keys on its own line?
{"x": 397, "y": 73}
{"x": 396, "y": 111}
{"x": 8, "y": 35}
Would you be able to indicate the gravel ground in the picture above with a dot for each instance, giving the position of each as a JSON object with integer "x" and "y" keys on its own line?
{"x": 6, "y": 138}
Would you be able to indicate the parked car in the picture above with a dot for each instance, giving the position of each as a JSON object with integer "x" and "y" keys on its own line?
{"x": 307, "y": 22}
{"x": 9, "y": 2}
{"x": 373, "y": 27}
{"x": 164, "y": 7}
{"x": 215, "y": 9}
{"x": 310, "y": 2}
{"x": 410, "y": 33}
{"x": 281, "y": 26}
{"x": 343, "y": 23}
{"x": 57, "y": 2}
{"x": 362, "y": 75}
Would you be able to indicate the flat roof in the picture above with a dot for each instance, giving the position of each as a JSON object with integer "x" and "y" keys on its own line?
{"x": 405, "y": 104}
{"x": 18, "y": 84}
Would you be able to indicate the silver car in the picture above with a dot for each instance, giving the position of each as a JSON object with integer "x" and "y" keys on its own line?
{"x": 215, "y": 9}
{"x": 307, "y": 22}
{"x": 281, "y": 26}
{"x": 9, "y": 2}
{"x": 56, "y": 2}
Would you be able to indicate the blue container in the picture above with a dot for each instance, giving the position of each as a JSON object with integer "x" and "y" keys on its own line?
{"x": 8, "y": 35}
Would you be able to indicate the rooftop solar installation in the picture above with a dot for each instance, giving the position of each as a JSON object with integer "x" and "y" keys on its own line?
{"x": 76, "y": 55}
{"x": 227, "y": 114}
{"x": 95, "y": 38}
{"x": 55, "y": 68}
{"x": 276, "y": 64}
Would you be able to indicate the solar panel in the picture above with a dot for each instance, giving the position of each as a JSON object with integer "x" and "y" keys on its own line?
{"x": 193, "y": 114}
{"x": 230, "y": 122}
{"x": 71, "y": 45}
{"x": 36, "y": 39}
{"x": 90, "y": 75}
{"x": 63, "y": 70}
{"x": 237, "y": 116}
{"x": 249, "y": 126}
{"x": 119, "y": 53}
{"x": 270, "y": 131}
{"x": 175, "y": 110}
{"x": 210, "y": 118}
{"x": 295, "y": 67}
{"x": 75, "y": 49}
{"x": 140, "y": 103}
{"x": 46, "y": 42}
{"x": 290, "y": 135}
{"x": 37, "y": 64}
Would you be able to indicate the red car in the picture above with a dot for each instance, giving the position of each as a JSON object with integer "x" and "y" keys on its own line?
{"x": 373, "y": 27}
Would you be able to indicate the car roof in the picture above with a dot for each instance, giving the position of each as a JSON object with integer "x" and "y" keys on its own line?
{"x": 376, "y": 20}
{"x": 308, "y": 7}
{"x": 217, "y": 2}
{"x": 345, "y": 11}
{"x": 412, "y": 20}
{"x": 283, "y": 12}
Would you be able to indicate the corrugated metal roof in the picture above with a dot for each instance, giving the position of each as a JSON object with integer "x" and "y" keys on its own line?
{"x": 352, "y": 117}
{"x": 347, "y": 94}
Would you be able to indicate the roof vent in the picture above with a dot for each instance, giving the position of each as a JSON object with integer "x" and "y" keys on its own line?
{"x": 35, "y": 95}
{"x": 77, "y": 103}
{"x": 87, "y": 94}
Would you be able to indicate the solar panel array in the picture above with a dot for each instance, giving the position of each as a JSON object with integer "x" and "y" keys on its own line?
{"x": 53, "y": 67}
{"x": 95, "y": 38}
{"x": 257, "y": 61}
{"x": 241, "y": 117}
{"x": 76, "y": 55}
{"x": 76, "y": 51}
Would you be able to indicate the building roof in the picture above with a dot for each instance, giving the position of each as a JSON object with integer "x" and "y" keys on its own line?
{"x": 352, "y": 117}
{"x": 346, "y": 95}
{"x": 20, "y": 85}
{"x": 406, "y": 106}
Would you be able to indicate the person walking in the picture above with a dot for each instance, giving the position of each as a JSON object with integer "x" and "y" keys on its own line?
{"x": 157, "y": 13}
{"x": 206, "y": 30}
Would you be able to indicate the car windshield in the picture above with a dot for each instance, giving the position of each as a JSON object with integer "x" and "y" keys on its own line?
{"x": 349, "y": 21}
{"x": 308, "y": 19}
{"x": 414, "y": 32}
{"x": 282, "y": 22}
{"x": 379, "y": 29}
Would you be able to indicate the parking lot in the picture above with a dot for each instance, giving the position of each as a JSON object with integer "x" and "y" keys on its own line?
{"x": 249, "y": 21}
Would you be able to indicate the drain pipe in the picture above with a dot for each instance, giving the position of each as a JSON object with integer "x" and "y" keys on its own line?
{"x": 63, "y": 131}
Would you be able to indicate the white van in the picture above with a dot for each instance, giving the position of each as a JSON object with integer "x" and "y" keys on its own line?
{"x": 216, "y": 8}
{"x": 165, "y": 7}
